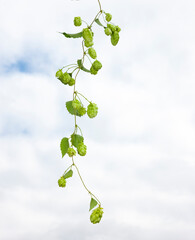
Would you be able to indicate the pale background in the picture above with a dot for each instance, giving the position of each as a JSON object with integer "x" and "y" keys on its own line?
{"x": 141, "y": 146}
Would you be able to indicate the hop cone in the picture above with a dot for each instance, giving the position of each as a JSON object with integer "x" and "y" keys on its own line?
{"x": 66, "y": 78}
{"x": 108, "y": 31}
{"x": 96, "y": 215}
{"x": 71, "y": 152}
{"x": 92, "y": 53}
{"x": 93, "y": 71}
{"x": 88, "y": 43}
{"x": 114, "y": 38}
{"x": 97, "y": 65}
{"x": 62, "y": 182}
{"x": 82, "y": 149}
{"x": 108, "y": 17}
{"x": 82, "y": 111}
{"x": 71, "y": 82}
{"x": 112, "y": 27}
{"x": 76, "y": 104}
{"x": 59, "y": 74}
{"x": 77, "y": 21}
{"x": 87, "y": 35}
{"x": 92, "y": 110}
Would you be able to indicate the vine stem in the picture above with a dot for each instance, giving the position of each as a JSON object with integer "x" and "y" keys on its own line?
{"x": 83, "y": 96}
{"x": 83, "y": 182}
{"x": 67, "y": 169}
{"x": 100, "y": 5}
{"x": 80, "y": 130}
{"x": 69, "y": 65}
{"x": 74, "y": 96}
{"x": 95, "y": 18}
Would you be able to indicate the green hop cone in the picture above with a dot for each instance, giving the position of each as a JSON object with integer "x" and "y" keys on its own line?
{"x": 87, "y": 35}
{"x": 66, "y": 78}
{"x": 114, "y": 38}
{"x": 118, "y": 29}
{"x": 112, "y": 27}
{"x": 92, "y": 53}
{"x": 97, "y": 65}
{"x": 108, "y": 17}
{"x": 71, "y": 152}
{"x": 76, "y": 104}
{"x": 59, "y": 74}
{"x": 77, "y": 21}
{"x": 62, "y": 182}
{"x": 82, "y": 149}
{"x": 71, "y": 82}
{"x": 96, "y": 215}
{"x": 93, "y": 71}
{"x": 82, "y": 111}
{"x": 88, "y": 44}
{"x": 108, "y": 31}
{"x": 92, "y": 110}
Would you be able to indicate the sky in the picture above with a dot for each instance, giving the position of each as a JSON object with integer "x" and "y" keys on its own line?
{"x": 140, "y": 158}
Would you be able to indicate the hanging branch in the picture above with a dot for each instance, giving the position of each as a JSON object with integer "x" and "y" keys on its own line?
{"x": 75, "y": 143}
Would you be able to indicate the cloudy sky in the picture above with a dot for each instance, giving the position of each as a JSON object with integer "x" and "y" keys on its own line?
{"x": 141, "y": 146}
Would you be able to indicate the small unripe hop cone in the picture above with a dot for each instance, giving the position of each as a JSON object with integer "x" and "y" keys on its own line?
{"x": 96, "y": 215}
{"x": 92, "y": 110}
{"x": 77, "y": 21}
{"x": 82, "y": 149}
{"x": 62, "y": 182}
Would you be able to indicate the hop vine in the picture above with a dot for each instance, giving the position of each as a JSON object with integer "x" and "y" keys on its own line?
{"x": 68, "y": 75}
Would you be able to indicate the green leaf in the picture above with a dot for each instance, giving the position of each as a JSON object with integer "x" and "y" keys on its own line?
{"x": 85, "y": 69}
{"x": 71, "y": 110}
{"x": 64, "y": 145}
{"x": 75, "y": 35}
{"x": 80, "y": 64}
{"x": 76, "y": 139}
{"x": 98, "y": 22}
{"x": 68, "y": 174}
{"x": 93, "y": 203}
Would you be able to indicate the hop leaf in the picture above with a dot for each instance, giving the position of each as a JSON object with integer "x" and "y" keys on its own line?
{"x": 74, "y": 35}
{"x": 96, "y": 215}
{"x": 92, "y": 110}
{"x": 93, "y": 203}
{"x": 98, "y": 22}
{"x": 77, "y": 21}
{"x": 76, "y": 139}
{"x": 71, "y": 152}
{"x": 97, "y": 65}
{"x": 108, "y": 17}
{"x": 114, "y": 38}
{"x": 76, "y": 104}
{"x": 68, "y": 174}
{"x": 62, "y": 182}
{"x": 87, "y": 35}
{"x": 108, "y": 31}
{"x": 82, "y": 149}
{"x": 92, "y": 53}
{"x": 64, "y": 145}
{"x": 71, "y": 110}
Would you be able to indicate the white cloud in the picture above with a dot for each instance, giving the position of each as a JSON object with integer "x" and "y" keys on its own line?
{"x": 140, "y": 159}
